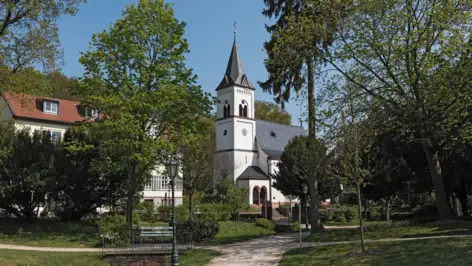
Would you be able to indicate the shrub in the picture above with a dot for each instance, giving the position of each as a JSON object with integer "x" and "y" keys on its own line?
{"x": 214, "y": 211}
{"x": 113, "y": 228}
{"x": 375, "y": 213}
{"x": 295, "y": 226}
{"x": 384, "y": 226}
{"x": 147, "y": 211}
{"x": 163, "y": 213}
{"x": 351, "y": 213}
{"x": 201, "y": 229}
{"x": 264, "y": 223}
{"x": 181, "y": 213}
{"x": 339, "y": 217}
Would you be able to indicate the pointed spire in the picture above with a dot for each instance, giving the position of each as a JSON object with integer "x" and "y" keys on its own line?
{"x": 234, "y": 74}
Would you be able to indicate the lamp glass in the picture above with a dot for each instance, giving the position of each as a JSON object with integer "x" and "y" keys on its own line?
{"x": 171, "y": 168}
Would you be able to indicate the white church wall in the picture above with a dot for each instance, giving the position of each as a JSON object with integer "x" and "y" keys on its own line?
{"x": 244, "y": 134}
{"x": 224, "y": 142}
{"x": 243, "y": 160}
{"x": 259, "y": 184}
{"x": 224, "y": 95}
{"x": 262, "y": 161}
{"x": 245, "y": 183}
{"x": 223, "y": 165}
{"x": 247, "y": 95}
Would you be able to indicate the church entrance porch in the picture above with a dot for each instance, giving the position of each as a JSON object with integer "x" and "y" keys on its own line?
{"x": 259, "y": 196}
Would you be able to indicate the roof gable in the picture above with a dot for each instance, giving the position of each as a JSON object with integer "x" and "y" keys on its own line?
{"x": 31, "y": 107}
{"x": 273, "y": 137}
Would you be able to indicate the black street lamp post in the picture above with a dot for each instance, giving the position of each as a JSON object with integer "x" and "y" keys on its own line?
{"x": 172, "y": 168}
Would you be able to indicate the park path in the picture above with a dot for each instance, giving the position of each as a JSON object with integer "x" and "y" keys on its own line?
{"x": 269, "y": 250}
{"x": 263, "y": 251}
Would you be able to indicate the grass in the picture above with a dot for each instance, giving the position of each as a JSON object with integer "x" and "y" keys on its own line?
{"x": 433, "y": 229}
{"x": 48, "y": 233}
{"x": 198, "y": 257}
{"x": 53, "y": 233}
{"x": 456, "y": 252}
{"x": 20, "y": 257}
{"x": 231, "y": 232}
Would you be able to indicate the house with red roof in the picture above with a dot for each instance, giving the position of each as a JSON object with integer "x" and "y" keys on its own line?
{"x": 56, "y": 116}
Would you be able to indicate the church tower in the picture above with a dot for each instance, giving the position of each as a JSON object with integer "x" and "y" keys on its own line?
{"x": 235, "y": 123}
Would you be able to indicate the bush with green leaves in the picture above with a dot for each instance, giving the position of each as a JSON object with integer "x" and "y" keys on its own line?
{"x": 295, "y": 226}
{"x": 163, "y": 213}
{"x": 214, "y": 211}
{"x": 201, "y": 229}
{"x": 339, "y": 217}
{"x": 385, "y": 225}
{"x": 351, "y": 213}
{"x": 147, "y": 211}
{"x": 264, "y": 223}
{"x": 114, "y": 229}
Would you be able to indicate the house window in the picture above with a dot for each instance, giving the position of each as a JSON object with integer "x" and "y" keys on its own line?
{"x": 55, "y": 135}
{"x": 51, "y": 107}
{"x": 94, "y": 114}
{"x": 148, "y": 185}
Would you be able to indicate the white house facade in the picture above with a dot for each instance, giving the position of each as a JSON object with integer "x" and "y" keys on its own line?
{"x": 56, "y": 116}
{"x": 247, "y": 149}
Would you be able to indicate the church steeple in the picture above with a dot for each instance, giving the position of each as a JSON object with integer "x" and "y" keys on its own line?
{"x": 234, "y": 71}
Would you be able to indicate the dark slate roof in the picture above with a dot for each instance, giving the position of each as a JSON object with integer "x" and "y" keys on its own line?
{"x": 253, "y": 173}
{"x": 273, "y": 137}
{"x": 234, "y": 72}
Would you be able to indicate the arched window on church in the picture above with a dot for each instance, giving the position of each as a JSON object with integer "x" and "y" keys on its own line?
{"x": 243, "y": 108}
{"x": 226, "y": 109}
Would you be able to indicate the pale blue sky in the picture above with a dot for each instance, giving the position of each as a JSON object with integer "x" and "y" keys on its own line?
{"x": 209, "y": 32}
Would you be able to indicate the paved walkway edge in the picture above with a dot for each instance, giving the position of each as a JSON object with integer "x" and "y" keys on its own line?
{"x": 290, "y": 246}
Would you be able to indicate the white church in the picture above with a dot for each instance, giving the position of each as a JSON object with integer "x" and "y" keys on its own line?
{"x": 247, "y": 150}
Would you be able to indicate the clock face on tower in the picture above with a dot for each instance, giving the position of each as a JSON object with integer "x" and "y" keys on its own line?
{"x": 244, "y": 132}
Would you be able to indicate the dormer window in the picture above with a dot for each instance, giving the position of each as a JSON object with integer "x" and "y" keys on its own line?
{"x": 51, "y": 107}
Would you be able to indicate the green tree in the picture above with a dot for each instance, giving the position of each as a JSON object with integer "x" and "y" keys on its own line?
{"x": 303, "y": 29}
{"x": 197, "y": 164}
{"x": 64, "y": 87}
{"x": 272, "y": 112}
{"x": 137, "y": 78}
{"x": 304, "y": 160}
{"x": 29, "y": 32}
{"x": 84, "y": 177}
{"x": 413, "y": 58}
{"x": 25, "y": 173}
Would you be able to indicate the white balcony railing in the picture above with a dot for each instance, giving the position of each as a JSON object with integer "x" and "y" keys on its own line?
{"x": 161, "y": 183}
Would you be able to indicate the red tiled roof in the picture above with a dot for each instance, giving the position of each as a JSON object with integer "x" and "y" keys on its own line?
{"x": 29, "y": 106}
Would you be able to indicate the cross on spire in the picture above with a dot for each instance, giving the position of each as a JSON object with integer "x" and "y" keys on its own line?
{"x": 234, "y": 26}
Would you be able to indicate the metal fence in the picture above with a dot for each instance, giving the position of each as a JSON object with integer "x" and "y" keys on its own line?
{"x": 140, "y": 242}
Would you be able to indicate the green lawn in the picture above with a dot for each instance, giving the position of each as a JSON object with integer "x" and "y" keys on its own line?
{"x": 48, "y": 233}
{"x": 437, "y": 252}
{"x": 434, "y": 229}
{"x": 197, "y": 257}
{"x": 52, "y": 233}
{"x": 231, "y": 232}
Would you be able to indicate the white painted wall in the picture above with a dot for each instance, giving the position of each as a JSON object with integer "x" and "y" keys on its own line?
{"x": 243, "y": 160}
{"x": 223, "y": 95}
{"x": 224, "y": 142}
{"x": 41, "y": 125}
{"x": 241, "y": 141}
{"x": 260, "y": 184}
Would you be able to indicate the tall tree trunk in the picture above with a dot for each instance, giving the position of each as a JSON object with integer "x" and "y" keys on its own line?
{"x": 314, "y": 208}
{"x": 462, "y": 195}
{"x": 130, "y": 196}
{"x": 387, "y": 209}
{"x": 190, "y": 205}
{"x": 313, "y": 185}
{"x": 359, "y": 208}
{"x": 434, "y": 164}
{"x": 311, "y": 99}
